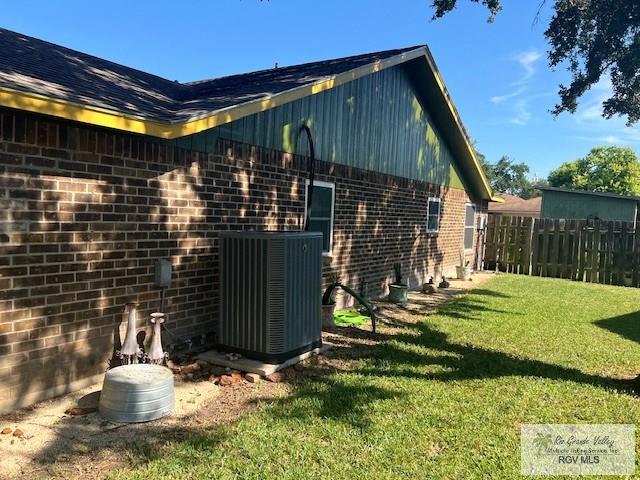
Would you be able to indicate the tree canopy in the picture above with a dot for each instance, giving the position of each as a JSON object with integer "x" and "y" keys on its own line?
{"x": 594, "y": 38}
{"x": 604, "y": 169}
{"x": 506, "y": 176}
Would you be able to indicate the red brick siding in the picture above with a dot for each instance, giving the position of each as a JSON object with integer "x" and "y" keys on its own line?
{"x": 84, "y": 214}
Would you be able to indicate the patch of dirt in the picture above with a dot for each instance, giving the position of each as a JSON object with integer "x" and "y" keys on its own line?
{"x": 66, "y": 438}
{"x": 352, "y": 343}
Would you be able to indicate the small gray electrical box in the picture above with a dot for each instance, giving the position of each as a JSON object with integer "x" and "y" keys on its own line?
{"x": 163, "y": 273}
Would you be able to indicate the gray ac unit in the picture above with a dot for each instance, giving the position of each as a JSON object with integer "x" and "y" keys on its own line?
{"x": 270, "y": 293}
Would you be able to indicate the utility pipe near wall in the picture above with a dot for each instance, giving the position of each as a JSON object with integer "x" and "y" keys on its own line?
{"x": 311, "y": 169}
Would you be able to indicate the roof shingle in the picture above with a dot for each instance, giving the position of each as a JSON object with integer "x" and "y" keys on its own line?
{"x": 35, "y": 66}
{"x": 513, "y": 204}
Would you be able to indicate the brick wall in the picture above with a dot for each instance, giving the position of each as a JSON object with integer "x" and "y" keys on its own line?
{"x": 380, "y": 220}
{"x": 84, "y": 214}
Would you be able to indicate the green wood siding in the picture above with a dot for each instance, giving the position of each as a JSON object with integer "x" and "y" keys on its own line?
{"x": 376, "y": 123}
{"x": 581, "y": 206}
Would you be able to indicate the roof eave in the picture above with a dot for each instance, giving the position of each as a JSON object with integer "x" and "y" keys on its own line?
{"x": 118, "y": 120}
{"x": 457, "y": 134}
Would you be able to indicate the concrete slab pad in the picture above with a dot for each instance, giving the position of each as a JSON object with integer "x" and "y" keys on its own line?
{"x": 263, "y": 369}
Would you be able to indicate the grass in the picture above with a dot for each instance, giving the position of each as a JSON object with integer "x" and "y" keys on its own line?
{"x": 441, "y": 399}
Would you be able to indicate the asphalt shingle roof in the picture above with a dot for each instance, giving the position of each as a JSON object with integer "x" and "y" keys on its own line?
{"x": 35, "y": 66}
{"x": 516, "y": 204}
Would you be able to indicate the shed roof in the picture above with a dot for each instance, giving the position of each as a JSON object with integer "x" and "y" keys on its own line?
{"x": 42, "y": 77}
{"x": 586, "y": 192}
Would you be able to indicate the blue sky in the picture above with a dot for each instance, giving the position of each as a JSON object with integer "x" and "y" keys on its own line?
{"x": 497, "y": 73}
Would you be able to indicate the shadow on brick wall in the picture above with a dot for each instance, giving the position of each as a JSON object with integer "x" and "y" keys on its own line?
{"x": 90, "y": 212}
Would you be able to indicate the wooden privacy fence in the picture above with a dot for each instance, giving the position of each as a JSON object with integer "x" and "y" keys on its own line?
{"x": 584, "y": 250}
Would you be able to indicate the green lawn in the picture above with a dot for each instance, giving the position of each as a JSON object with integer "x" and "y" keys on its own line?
{"x": 444, "y": 398}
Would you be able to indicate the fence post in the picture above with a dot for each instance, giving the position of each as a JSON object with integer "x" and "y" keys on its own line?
{"x": 582, "y": 250}
{"x": 544, "y": 253}
{"x": 526, "y": 248}
{"x": 535, "y": 246}
{"x": 516, "y": 245}
{"x": 636, "y": 256}
{"x": 575, "y": 249}
{"x": 502, "y": 241}
{"x": 554, "y": 256}
{"x": 595, "y": 251}
{"x": 609, "y": 263}
{"x": 565, "y": 270}
{"x": 621, "y": 257}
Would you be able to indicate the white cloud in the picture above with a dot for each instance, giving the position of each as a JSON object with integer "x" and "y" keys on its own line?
{"x": 507, "y": 96}
{"x": 609, "y": 139}
{"x": 519, "y": 105}
{"x": 527, "y": 60}
{"x": 594, "y": 127}
{"x": 521, "y": 113}
{"x": 590, "y": 109}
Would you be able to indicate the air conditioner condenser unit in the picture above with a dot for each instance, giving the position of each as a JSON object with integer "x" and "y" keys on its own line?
{"x": 270, "y": 293}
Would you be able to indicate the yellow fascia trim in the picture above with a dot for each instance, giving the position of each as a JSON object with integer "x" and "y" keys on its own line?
{"x": 30, "y": 102}
{"x": 121, "y": 121}
{"x": 236, "y": 112}
{"x": 81, "y": 113}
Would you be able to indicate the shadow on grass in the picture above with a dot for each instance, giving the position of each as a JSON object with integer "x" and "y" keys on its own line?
{"x": 466, "y": 362}
{"x": 489, "y": 293}
{"x": 627, "y": 326}
{"x": 469, "y": 308}
{"x": 465, "y": 308}
{"x": 344, "y": 385}
{"x": 335, "y": 399}
{"x": 327, "y": 394}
